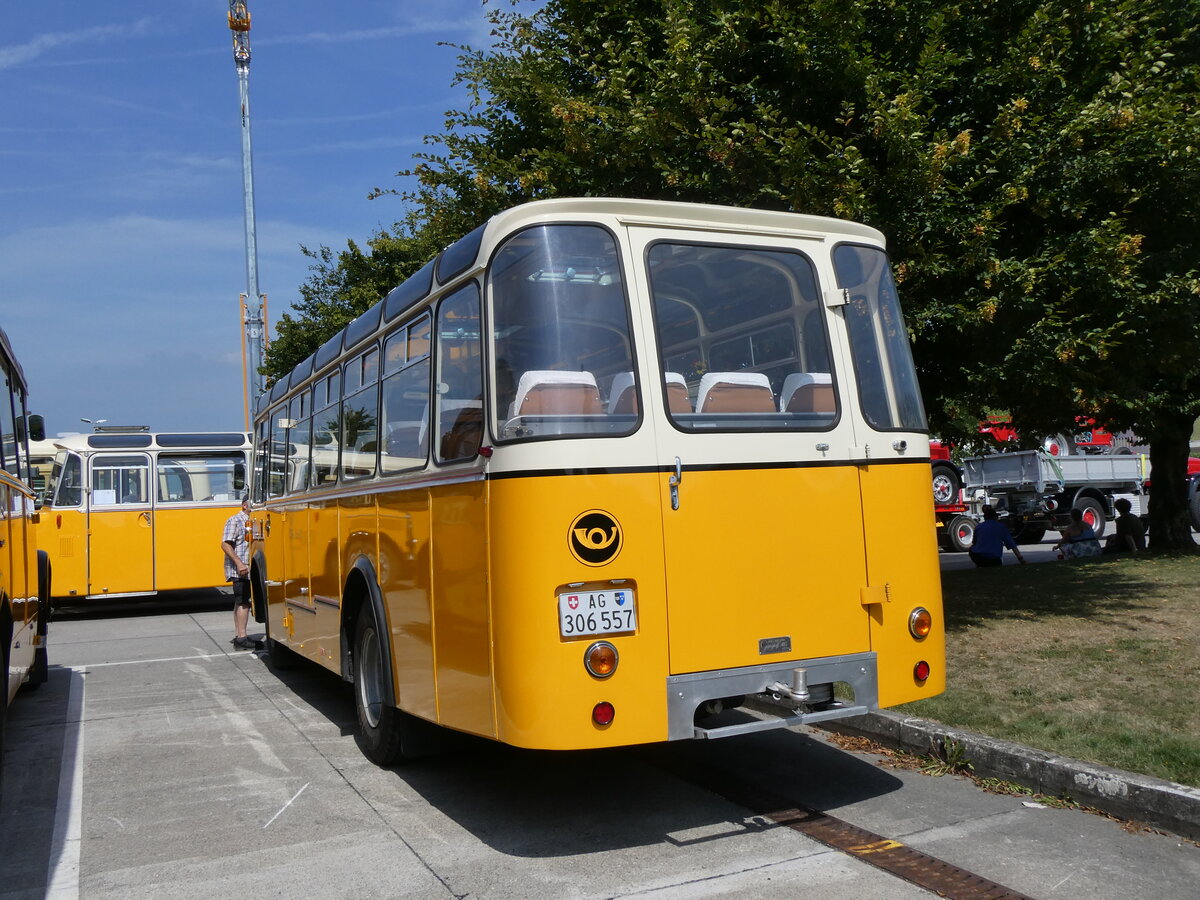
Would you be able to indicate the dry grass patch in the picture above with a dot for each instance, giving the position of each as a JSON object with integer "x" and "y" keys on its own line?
{"x": 1095, "y": 659}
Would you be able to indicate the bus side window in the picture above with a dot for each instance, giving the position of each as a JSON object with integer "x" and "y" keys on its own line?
{"x": 260, "y": 462}
{"x": 459, "y": 386}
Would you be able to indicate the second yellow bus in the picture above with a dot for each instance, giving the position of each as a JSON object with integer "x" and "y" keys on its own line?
{"x": 134, "y": 512}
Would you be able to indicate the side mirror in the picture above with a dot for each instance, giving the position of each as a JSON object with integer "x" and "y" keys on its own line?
{"x": 31, "y": 425}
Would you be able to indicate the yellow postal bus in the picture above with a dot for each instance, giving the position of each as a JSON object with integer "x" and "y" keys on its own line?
{"x": 24, "y": 572}
{"x": 133, "y": 512}
{"x": 602, "y": 472}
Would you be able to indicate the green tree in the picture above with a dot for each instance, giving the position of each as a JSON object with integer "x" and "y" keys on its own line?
{"x": 1033, "y": 163}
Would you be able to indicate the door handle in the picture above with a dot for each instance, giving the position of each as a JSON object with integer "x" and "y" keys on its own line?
{"x": 675, "y": 481}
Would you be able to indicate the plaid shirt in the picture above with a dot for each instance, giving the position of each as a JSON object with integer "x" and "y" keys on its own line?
{"x": 235, "y": 534}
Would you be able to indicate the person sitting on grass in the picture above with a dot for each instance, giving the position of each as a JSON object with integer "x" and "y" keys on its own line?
{"x": 1131, "y": 533}
{"x": 1077, "y": 539}
{"x": 991, "y": 537}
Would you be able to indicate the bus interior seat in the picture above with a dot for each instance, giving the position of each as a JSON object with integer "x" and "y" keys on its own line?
{"x": 464, "y": 438}
{"x": 551, "y": 392}
{"x": 807, "y": 392}
{"x": 677, "y": 394}
{"x": 622, "y": 397}
{"x": 737, "y": 392}
{"x": 408, "y": 439}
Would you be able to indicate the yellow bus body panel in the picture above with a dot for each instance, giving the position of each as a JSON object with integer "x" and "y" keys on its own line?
{"x": 761, "y": 554}
{"x": 903, "y": 560}
{"x": 121, "y": 551}
{"x": 405, "y": 581}
{"x": 135, "y": 551}
{"x": 187, "y": 547}
{"x": 544, "y": 695}
{"x": 462, "y": 637}
{"x": 324, "y": 560}
{"x": 64, "y": 536}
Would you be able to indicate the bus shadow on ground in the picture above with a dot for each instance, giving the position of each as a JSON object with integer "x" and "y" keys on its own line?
{"x": 319, "y": 688}
{"x": 527, "y": 803}
{"x": 34, "y": 745}
{"x": 541, "y": 803}
{"x": 165, "y": 604}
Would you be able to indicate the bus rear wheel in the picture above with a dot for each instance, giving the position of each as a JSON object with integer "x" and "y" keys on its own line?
{"x": 380, "y": 726}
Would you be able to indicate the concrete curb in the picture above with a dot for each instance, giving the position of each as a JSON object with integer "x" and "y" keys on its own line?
{"x": 1137, "y": 798}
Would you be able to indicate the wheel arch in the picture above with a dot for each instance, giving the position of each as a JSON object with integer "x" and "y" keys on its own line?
{"x": 362, "y": 591}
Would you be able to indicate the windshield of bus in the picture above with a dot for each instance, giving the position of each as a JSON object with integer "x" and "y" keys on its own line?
{"x": 883, "y": 363}
{"x": 561, "y": 345}
{"x": 742, "y": 338}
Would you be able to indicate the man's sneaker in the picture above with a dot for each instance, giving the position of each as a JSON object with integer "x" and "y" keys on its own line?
{"x": 244, "y": 643}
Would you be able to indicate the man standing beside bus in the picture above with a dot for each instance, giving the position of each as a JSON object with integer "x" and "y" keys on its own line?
{"x": 236, "y": 547}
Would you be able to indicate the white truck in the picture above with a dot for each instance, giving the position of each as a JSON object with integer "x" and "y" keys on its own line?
{"x": 1033, "y": 491}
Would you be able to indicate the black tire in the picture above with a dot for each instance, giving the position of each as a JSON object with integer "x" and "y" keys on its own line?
{"x": 380, "y": 726}
{"x": 960, "y": 534}
{"x": 1093, "y": 513}
{"x": 1030, "y": 534}
{"x": 946, "y": 483}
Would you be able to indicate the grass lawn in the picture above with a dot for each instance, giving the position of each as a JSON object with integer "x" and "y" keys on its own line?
{"x": 1094, "y": 659}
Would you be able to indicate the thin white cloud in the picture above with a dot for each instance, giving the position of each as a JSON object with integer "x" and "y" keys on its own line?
{"x": 40, "y": 45}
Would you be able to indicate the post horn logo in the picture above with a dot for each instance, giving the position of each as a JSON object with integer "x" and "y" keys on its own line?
{"x": 595, "y": 538}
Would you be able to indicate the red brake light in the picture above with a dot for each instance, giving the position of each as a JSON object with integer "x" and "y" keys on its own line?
{"x": 921, "y": 671}
{"x": 603, "y": 713}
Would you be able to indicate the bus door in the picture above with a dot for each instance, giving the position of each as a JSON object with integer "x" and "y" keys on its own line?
{"x": 120, "y": 525}
{"x": 762, "y": 519}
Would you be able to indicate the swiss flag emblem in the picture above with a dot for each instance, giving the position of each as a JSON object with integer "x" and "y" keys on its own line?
{"x": 573, "y": 601}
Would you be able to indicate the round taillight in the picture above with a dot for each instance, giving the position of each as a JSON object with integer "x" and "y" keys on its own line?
{"x": 921, "y": 671}
{"x": 603, "y": 713}
{"x": 600, "y": 659}
{"x": 920, "y": 622}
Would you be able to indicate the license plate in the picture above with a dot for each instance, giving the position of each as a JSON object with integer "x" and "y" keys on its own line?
{"x": 596, "y": 612}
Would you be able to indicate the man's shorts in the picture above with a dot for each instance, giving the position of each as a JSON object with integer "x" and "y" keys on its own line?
{"x": 241, "y": 592}
{"x": 986, "y": 562}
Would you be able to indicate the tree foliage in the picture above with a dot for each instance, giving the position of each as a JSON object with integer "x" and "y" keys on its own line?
{"x": 1033, "y": 163}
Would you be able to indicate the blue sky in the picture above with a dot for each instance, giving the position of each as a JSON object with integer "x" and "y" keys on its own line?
{"x": 122, "y": 251}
